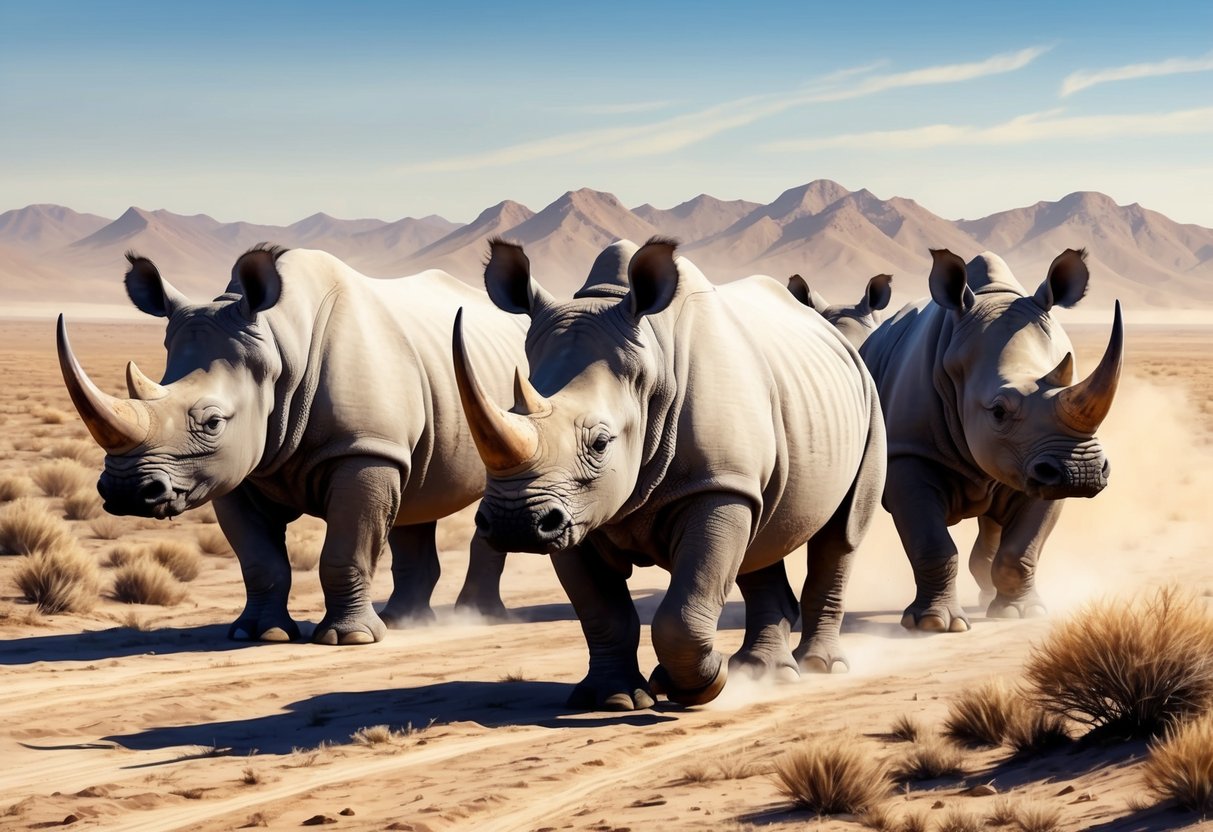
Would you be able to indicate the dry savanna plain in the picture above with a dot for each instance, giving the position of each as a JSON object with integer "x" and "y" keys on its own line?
{"x": 135, "y": 716}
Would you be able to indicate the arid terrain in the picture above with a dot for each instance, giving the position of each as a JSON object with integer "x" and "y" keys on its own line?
{"x": 141, "y": 717}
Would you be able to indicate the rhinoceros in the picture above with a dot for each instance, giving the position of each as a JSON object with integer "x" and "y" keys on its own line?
{"x": 857, "y": 320}
{"x": 307, "y": 388}
{"x": 984, "y": 420}
{"x": 668, "y": 422}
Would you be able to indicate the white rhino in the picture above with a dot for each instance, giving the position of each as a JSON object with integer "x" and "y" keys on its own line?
{"x": 668, "y": 422}
{"x": 985, "y": 420}
{"x": 307, "y": 388}
{"x": 855, "y": 320}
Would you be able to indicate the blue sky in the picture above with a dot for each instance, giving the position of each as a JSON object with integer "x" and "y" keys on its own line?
{"x": 276, "y": 110}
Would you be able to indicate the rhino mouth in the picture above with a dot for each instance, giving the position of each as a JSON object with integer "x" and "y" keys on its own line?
{"x": 541, "y": 528}
{"x": 152, "y": 496}
{"x": 1052, "y": 479}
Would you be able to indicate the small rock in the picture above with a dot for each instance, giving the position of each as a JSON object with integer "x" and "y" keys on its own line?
{"x": 981, "y": 790}
{"x": 937, "y": 805}
{"x": 94, "y": 791}
{"x": 1065, "y": 791}
{"x": 318, "y": 820}
{"x": 652, "y": 801}
{"x": 1085, "y": 797}
{"x": 349, "y": 813}
{"x": 70, "y": 819}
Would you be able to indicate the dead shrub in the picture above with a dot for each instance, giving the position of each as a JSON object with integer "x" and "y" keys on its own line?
{"x": 1180, "y": 765}
{"x": 144, "y": 581}
{"x": 1033, "y": 730}
{"x": 51, "y": 415}
{"x": 250, "y": 776}
{"x": 213, "y": 542}
{"x": 1037, "y": 817}
{"x": 58, "y": 580}
{"x": 979, "y": 716}
{"x": 124, "y": 553}
{"x": 60, "y": 477}
{"x": 82, "y": 451}
{"x": 1130, "y": 668}
{"x": 303, "y": 551}
{"x": 373, "y": 735}
{"x": 830, "y": 776}
{"x": 732, "y": 767}
{"x": 906, "y": 728}
{"x": 179, "y": 558}
{"x": 1002, "y": 813}
{"x": 915, "y": 821}
{"x": 14, "y": 488}
{"x": 26, "y": 527}
{"x": 929, "y": 758}
{"x": 956, "y": 819}
{"x": 106, "y": 527}
{"x": 83, "y": 505}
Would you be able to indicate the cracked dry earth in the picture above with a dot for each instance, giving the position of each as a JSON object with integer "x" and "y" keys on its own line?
{"x": 133, "y": 717}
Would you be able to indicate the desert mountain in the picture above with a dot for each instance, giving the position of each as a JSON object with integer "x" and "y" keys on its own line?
{"x": 836, "y": 238}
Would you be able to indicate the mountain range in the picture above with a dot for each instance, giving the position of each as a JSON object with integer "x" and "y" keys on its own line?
{"x": 834, "y": 237}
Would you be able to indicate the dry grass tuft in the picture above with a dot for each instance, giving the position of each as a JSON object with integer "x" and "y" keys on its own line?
{"x": 303, "y": 550}
{"x": 906, "y": 728}
{"x": 124, "y": 553}
{"x": 1131, "y": 668}
{"x": 59, "y": 580}
{"x": 1033, "y": 730}
{"x": 213, "y": 542}
{"x": 733, "y": 767}
{"x": 13, "y": 487}
{"x": 250, "y": 776}
{"x": 51, "y": 415}
{"x": 1180, "y": 765}
{"x": 181, "y": 559}
{"x": 83, "y": 505}
{"x": 514, "y": 676}
{"x": 880, "y": 817}
{"x": 829, "y": 776}
{"x": 928, "y": 759}
{"x": 1037, "y": 817}
{"x": 26, "y": 527}
{"x": 60, "y": 477}
{"x": 1002, "y": 813}
{"x": 979, "y": 716}
{"x": 106, "y": 527}
{"x": 144, "y": 581}
{"x": 955, "y": 819}
{"x": 373, "y": 735}
{"x": 915, "y": 821}
{"x": 81, "y": 450}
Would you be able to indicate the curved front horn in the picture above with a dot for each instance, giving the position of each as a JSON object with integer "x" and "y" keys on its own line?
{"x": 139, "y": 386}
{"x": 1085, "y": 405}
{"x": 117, "y": 425}
{"x": 505, "y": 440}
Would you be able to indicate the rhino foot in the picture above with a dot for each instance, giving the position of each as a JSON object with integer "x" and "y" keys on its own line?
{"x": 253, "y": 626}
{"x": 1029, "y": 606}
{"x": 824, "y": 656}
{"x": 662, "y": 685}
{"x": 985, "y": 597}
{"x": 936, "y": 618}
{"x": 602, "y": 693}
{"x": 759, "y": 664}
{"x": 490, "y": 608}
{"x": 397, "y": 618}
{"x": 360, "y": 627}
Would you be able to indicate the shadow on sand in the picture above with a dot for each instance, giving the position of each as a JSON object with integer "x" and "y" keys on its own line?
{"x": 332, "y": 717}
{"x": 117, "y": 643}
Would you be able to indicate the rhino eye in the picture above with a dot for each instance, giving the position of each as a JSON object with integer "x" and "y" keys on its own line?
{"x": 599, "y": 445}
{"x": 999, "y": 412}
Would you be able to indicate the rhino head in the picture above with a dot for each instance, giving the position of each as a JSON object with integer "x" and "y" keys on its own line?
{"x": 855, "y": 321}
{"x": 567, "y": 456}
{"x": 199, "y": 432}
{"x": 1010, "y": 367}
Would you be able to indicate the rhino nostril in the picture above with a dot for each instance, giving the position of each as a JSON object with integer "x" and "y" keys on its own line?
{"x": 1107, "y": 469}
{"x": 551, "y": 521}
{"x": 1046, "y": 472}
{"x": 154, "y": 491}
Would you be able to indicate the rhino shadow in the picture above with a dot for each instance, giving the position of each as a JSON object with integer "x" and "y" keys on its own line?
{"x": 732, "y": 617}
{"x": 117, "y": 643}
{"x": 332, "y": 717}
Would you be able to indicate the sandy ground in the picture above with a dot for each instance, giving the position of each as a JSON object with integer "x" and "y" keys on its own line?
{"x": 146, "y": 718}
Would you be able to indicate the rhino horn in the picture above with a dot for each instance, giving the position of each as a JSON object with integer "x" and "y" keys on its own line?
{"x": 139, "y": 386}
{"x": 1063, "y": 374}
{"x": 117, "y": 425}
{"x": 1086, "y": 404}
{"x": 527, "y": 400}
{"x": 505, "y": 440}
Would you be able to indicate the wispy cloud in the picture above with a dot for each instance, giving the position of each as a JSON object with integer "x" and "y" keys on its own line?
{"x": 1087, "y": 78}
{"x": 674, "y": 133}
{"x": 623, "y": 109}
{"x": 1050, "y": 125}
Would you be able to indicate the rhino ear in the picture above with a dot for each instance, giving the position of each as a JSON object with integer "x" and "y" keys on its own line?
{"x": 256, "y": 273}
{"x": 507, "y": 279}
{"x": 880, "y": 292}
{"x": 949, "y": 282}
{"x": 148, "y": 290}
{"x": 1067, "y": 281}
{"x": 810, "y": 297}
{"x": 653, "y": 277}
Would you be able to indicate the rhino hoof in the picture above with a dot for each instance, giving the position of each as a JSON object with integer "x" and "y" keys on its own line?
{"x": 933, "y": 622}
{"x": 626, "y": 697}
{"x": 822, "y": 664}
{"x": 275, "y": 634}
{"x": 247, "y": 630}
{"x": 661, "y": 684}
{"x": 405, "y": 620}
{"x": 1010, "y": 610}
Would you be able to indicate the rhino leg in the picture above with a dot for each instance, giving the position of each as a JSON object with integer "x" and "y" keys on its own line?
{"x": 482, "y": 587}
{"x": 918, "y": 501}
{"x": 981, "y": 558}
{"x": 361, "y": 505}
{"x": 415, "y": 571}
{"x": 710, "y": 537}
{"x": 600, "y": 597}
{"x": 770, "y": 612}
{"x": 256, "y": 530}
{"x": 1014, "y": 571}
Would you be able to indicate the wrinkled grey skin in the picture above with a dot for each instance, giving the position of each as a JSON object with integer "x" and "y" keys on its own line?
{"x": 309, "y": 388}
{"x": 856, "y": 321}
{"x": 709, "y": 431}
{"x": 970, "y": 381}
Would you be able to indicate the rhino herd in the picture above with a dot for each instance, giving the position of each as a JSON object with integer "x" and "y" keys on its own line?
{"x": 652, "y": 419}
